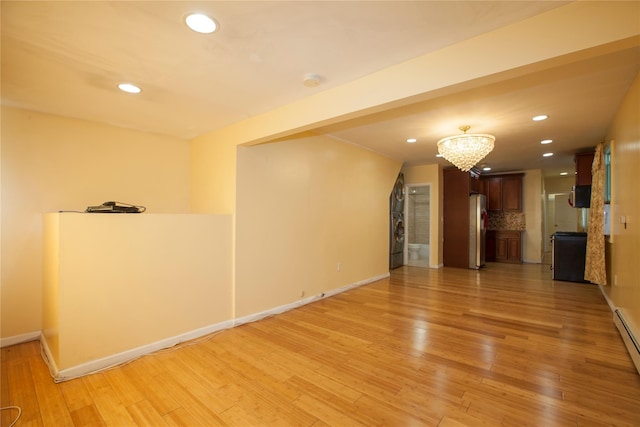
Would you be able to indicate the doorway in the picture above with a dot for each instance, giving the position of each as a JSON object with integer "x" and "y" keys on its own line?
{"x": 560, "y": 215}
{"x": 417, "y": 225}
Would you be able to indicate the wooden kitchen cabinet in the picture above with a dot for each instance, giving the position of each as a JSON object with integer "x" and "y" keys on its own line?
{"x": 583, "y": 168}
{"x": 493, "y": 191}
{"x": 504, "y": 192}
{"x": 490, "y": 246}
{"x": 508, "y": 246}
{"x": 512, "y": 193}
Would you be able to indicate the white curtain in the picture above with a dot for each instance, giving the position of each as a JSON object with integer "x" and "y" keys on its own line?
{"x": 595, "y": 268}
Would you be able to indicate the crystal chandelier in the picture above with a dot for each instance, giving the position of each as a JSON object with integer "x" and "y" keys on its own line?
{"x": 465, "y": 150}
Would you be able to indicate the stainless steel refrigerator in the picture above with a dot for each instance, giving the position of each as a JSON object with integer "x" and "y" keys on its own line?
{"x": 478, "y": 222}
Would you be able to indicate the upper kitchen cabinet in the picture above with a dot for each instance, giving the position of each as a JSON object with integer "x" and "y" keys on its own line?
{"x": 492, "y": 188}
{"x": 504, "y": 192}
{"x": 512, "y": 193}
{"x": 583, "y": 168}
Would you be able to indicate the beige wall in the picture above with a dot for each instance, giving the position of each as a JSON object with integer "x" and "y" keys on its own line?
{"x": 560, "y": 184}
{"x": 51, "y": 163}
{"x": 532, "y": 247}
{"x": 152, "y": 276}
{"x": 624, "y": 291}
{"x": 432, "y": 175}
{"x": 213, "y": 174}
{"x": 306, "y": 205}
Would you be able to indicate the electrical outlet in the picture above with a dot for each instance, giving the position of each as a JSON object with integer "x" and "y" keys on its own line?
{"x": 301, "y": 294}
{"x": 339, "y": 266}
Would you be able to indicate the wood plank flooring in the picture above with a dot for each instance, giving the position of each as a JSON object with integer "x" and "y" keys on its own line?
{"x": 505, "y": 345}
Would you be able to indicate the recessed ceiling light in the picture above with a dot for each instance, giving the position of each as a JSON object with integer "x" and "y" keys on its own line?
{"x": 201, "y": 23}
{"x": 129, "y": 88}
{"x": 564, "y": 173}
{"x": 486, "y": 169}
{"x": 411, "y": 140}
{"x": 546, "y": 141}
{"x": 547, "y": 155}
{"x": 438, "y": 155}
{"x": 540, "y": 118}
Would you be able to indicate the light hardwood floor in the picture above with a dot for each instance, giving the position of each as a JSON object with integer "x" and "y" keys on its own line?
{"x": 505, "y": 345}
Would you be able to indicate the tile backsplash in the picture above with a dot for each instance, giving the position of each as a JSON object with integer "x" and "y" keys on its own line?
{"x": 507, "y": 221}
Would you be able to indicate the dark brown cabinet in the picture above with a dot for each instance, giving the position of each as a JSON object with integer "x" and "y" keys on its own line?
{"x": 583, "y": 168}
{"x": 493, "y": 191}
{"x": 512, "y": 193}
{"x": 504, "y": 192}
{"x": 490, "y": 246}
{"x": 508, "y": 246}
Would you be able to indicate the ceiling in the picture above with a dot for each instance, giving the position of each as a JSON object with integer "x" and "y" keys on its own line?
{"x": 66, "y": 58}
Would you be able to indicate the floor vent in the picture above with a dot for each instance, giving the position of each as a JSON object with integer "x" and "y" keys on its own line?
{"x": 633, "y": 347}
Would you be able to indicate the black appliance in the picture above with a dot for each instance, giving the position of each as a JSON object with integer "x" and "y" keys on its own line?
{"x": 569, "y": 251}
{"x": 115, "y": 207}
{"x": 581, "y": 196}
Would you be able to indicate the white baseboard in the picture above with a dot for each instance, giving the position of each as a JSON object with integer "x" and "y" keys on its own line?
{"x": 356, "y": 284}
{"x": 129, "y": 355}
{"x": 19, "y": 339}
{"x": 606, "y": 297}
{"x": 125, "y": 356}
{"x": 629, "y": 337}
{"x": 48, "y": 357}
{"x": 301, "y": 302}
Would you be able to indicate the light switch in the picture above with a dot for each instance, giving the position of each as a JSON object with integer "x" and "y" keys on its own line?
{"x": 623, "y": 220}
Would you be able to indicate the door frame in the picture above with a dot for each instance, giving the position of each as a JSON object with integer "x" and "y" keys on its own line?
{"x": 406, "y": 222}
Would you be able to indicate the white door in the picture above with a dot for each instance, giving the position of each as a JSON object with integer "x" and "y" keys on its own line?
{"x": 565, "y": 216}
